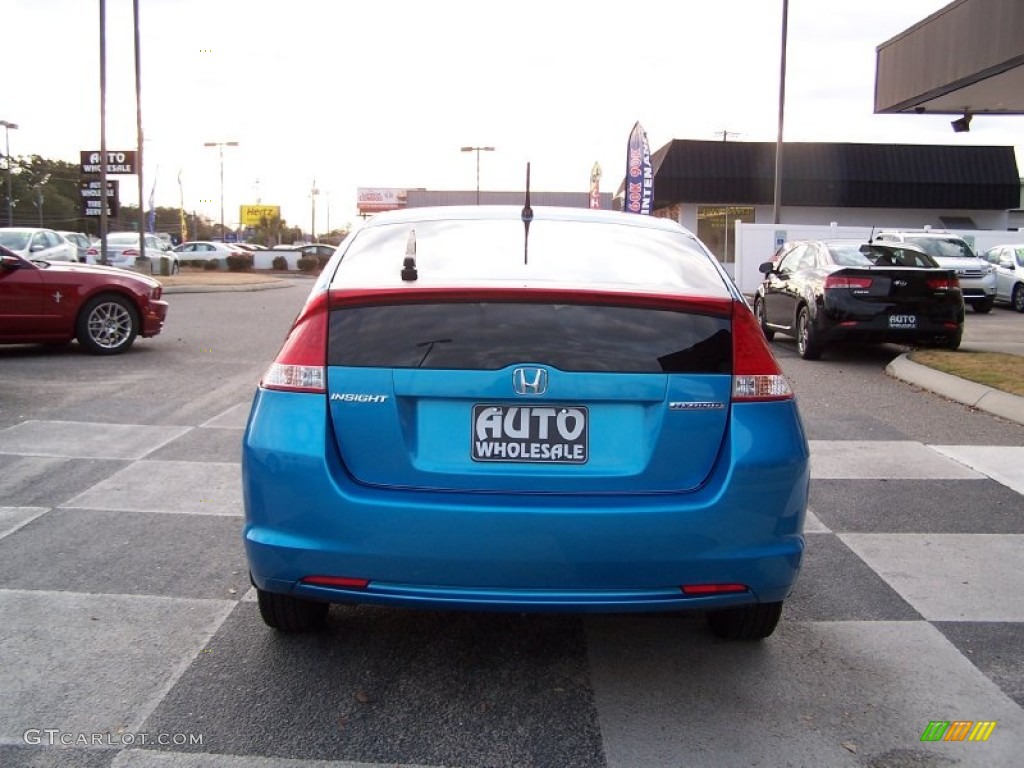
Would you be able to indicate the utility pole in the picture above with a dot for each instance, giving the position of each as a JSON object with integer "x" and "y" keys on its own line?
{"x": 7, "y": 158}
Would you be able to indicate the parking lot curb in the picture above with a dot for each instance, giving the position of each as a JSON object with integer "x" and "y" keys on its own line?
{"x": 994, "y": 401}
{"x": 226, "y": 288}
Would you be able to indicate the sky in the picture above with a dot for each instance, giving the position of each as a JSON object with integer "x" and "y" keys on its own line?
{"x": 342, "y": 95}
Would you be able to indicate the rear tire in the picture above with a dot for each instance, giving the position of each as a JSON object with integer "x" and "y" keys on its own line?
{"x": 983, "y": 306}
{"x": 291, "y": 614}
{"x": 762, "y": 319}
{"x": 953, "y": 342}
{"x": 751, "y": 622}
{"x": 1017, "y": 300}
{"x": 807, "y": 343}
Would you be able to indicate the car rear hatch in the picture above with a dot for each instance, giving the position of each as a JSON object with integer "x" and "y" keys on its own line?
{"x": 542, "y": 391}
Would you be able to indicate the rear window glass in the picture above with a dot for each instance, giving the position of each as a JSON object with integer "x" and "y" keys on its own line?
{"x": 591, "y": 253}
{"x": 943, "y": 247}
{"x": 850, "y": 255}
{"x": 493, "y": 335}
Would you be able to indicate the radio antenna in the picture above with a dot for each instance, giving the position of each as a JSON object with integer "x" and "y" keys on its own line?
{"x": 527, "y": 218}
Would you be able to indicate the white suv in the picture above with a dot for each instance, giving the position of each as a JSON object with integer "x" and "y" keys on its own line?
{"x": 977, "y": 277}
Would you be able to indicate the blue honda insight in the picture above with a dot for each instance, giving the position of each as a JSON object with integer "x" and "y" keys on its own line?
{"x": 480, "y": 409}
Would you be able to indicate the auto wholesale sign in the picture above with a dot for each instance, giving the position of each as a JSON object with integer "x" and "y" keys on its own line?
{"x": 252, "y": 215}
{"x": 92, "y": 205}
{"x": 117, "y": 162}
{"x": 377, "y": 199}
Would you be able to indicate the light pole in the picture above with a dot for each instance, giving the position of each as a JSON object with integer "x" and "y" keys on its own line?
{"x": 312, "y": 196}
{"x": 777, "y": 193}
{"x": 7, "y": 156}
{"x": 478, "y": 150}
{"x": 220, "y": 148}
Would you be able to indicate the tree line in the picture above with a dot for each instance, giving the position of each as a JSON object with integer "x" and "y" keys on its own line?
{"x": 47, "y": 193}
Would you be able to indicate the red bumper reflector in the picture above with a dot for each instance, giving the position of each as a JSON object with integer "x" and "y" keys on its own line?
{"x": 712, "y": 589}
{"x": 342, "y": 582}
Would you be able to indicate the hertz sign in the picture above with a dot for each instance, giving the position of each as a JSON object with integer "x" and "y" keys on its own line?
{"x": 251, "y": 215}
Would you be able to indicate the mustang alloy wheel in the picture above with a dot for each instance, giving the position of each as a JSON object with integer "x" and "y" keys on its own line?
{"x": 107, "y": 325}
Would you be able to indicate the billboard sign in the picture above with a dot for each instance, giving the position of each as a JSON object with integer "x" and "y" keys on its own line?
{"x": 377, "y": 199}
{"x": 251, "y": 215}
{"x": 117, "y": 162}
{"x": 91, "y": 203}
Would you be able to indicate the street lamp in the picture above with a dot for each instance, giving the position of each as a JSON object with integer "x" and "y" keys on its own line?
{"x": 478, "y": 150}
{"x": 312, "y": 196}
{"x": 220, "y": 148}
{"x": 7, "y": 156}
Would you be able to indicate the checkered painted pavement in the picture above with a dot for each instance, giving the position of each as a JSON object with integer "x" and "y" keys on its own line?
{"x": 127, "y": 622}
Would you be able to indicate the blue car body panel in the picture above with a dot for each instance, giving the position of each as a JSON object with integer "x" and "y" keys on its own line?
{"x": 564, "y": 549}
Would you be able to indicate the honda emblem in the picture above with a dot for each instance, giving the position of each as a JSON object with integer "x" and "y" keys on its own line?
{"x": 530, "y": 381}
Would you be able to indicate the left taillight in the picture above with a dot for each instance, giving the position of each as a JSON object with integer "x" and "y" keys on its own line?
{"x": 756, "y": 376}
{"x": 847, "y": 281}
{"x": 301, "y": 364}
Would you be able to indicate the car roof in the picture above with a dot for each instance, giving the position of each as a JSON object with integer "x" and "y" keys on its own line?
{"x": 671, "y": 260}
{"x": 872, "y": 244}
{"x": 921, "y": 233}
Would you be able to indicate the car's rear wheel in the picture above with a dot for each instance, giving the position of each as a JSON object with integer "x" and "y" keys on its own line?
{"x": 107, "y": 324}
{"x": 751, "y": 622}
{"x": 1017, "y": 300}
{"x": 983, "y": 306}
{"x": 807, "y": 343}
{"x": 291, "y": 614}
{"x": 953, "y": 342}
{"x": 762, "y": 319}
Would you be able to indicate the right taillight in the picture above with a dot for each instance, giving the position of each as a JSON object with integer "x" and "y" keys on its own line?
{"x": 301, "y": 364}
{"x": 943, "y": 284}
{"x": 756, "y": 375}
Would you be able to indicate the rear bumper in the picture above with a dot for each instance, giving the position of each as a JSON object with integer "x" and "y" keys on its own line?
{"x": 476, "y": 551}
{"x": 848, "y": 319}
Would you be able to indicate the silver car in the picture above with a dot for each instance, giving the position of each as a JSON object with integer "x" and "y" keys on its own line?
{"x": 38, "y": 243}
{"x": 1008, "y": 261}
{"x": 977, "y": 277}
{"x": 81, "y": 241}
{"x": 123, "y": 250}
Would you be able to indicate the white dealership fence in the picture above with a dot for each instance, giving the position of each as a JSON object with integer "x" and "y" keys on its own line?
{"x": 757, "y": 243}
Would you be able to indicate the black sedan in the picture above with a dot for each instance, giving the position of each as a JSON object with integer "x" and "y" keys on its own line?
{"x": 829, "y": 291}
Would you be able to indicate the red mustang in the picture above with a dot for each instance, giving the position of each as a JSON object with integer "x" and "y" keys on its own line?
{"x": 54, "y": 302}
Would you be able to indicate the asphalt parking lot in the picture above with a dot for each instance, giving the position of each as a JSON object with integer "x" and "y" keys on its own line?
{"x": 126, "y": 617}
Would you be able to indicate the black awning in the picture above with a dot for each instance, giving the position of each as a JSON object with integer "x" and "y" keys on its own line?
{"x": 837, "y": 175}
